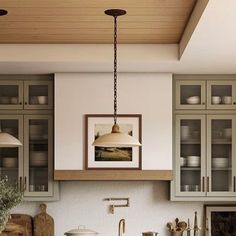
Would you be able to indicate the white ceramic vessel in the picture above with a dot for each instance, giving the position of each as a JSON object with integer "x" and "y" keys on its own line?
{"x": 215, "y": 100}
{"x": 81, "y": 231}
{"x": 193, "y": 100}
{"x": 227, "y": 100}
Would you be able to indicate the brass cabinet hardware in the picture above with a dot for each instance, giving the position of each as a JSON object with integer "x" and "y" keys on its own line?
{"x": 25, "y": 181}
{"x": 20, "y": 184}
{"x": 234, "y": 183}
{"x": 208, "y": 184}
{"x": 203, "y": 184}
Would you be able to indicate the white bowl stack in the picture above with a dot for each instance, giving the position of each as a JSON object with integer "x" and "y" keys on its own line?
{"x": 193, "y": 161}
{"x": 38, "y": 159}
{"x": 9, "y": 162}
{"x": 220, "y": 162}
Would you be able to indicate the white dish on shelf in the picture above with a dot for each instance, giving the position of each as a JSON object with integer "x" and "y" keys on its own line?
{"x": 42, "y": 100}
{"x": 220, "y": 162}
{"x": 227, "y": 100}
{"x": 38, "y": 158}
{"x": 185, "y": 188}
{"x": 184, "y": 132}
{"x": 193, "y": 100}
{"x": 183, "y": 161}
{"x": 215, "y": 100}
{"x": 9, "y": 162}
{"x": 4, "y": 100}
{"x": 227, "y": 132}
{"x": 193, "y": 161}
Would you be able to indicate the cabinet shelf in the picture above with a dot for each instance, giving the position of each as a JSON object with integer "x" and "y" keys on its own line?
{"x": 41, "y": 141}
{"x": 221, "y": 169}
{"x": 38, "y": 168}
{"x": 143, "y": 175}
{"x": 221, "y": 141}
{"x": 191, "y": 168}
{"x": 8, "y": 168}
{"x": 191, "y": 141}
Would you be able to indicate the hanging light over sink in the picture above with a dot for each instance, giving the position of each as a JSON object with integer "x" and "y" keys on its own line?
{"x": 116, "y": 138}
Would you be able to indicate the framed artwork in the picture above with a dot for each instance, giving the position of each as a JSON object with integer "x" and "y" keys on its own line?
{"x": 220, "y": 220}
{"x": 112, "y": 157}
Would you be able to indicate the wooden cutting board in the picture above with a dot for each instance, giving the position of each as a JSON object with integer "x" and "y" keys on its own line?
{"x": 19, "y": 225}
{"x": 43, "y": 223}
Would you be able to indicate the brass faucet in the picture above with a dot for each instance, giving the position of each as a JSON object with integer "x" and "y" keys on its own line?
{"x": 121, "y": 227}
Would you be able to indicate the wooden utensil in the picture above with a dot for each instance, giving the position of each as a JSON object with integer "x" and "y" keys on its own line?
{"x": 43, "y": 223}
{"x": 170, "y": 226}
{"x": 182, "y": 225}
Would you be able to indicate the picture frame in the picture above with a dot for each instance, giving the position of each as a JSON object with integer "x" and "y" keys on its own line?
{"x": 220, "y": 220}
{"x": 99, "y": 158}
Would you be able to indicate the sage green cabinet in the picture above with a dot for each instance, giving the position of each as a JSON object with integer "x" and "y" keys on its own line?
{"x": 205, "y": 94}
{"x": 38, "y": 94}
{"x": 11, "y": 94}
{"x": 190, "y": 158}
{"x": 205, "y": 163}
{"x": 30, "y": 166}
{"x": 221, "y": 94}
{"x": 204, "y": 154}
{"x": 190, "y": 94}
{"x": 221, "y": 155}
{"x": 11, "y": 161}
{"x": 26, "y": 94}
{"x": 31, "y": 120}
{"x": 38, "y": 155}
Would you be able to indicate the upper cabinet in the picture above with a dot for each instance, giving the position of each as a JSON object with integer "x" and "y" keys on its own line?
{"x": 221, "y": 94}
{"x": 190, "y": 94}
{"x": 205, "y": 94}
{"x": 38, "y": 95}
{"x": 28, "y": 94}
{"x": 204, "y": 138}
{"x": 26, "y": 112}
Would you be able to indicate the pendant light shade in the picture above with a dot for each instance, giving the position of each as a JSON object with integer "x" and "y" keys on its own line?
{"x": 7, "y": 140}
{"x": 116, "y": 138}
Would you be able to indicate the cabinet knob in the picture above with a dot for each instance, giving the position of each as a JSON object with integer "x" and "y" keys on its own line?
{"x": 203, "y": 103}
{"x": 26, "y": 103}
{"x": 234, "y": 103}
{"x": 20, "y": 103}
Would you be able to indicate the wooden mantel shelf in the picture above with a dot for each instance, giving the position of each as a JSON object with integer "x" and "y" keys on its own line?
{"x": 142, "y": 175}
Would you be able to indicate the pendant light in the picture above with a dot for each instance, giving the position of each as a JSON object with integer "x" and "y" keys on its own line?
{"x": 116, "y": 138}
{"x": 7, "y": 140}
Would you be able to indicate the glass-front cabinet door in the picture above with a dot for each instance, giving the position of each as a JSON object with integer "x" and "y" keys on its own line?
{"x": 38, "y": 164}
{"x": 221, "y": 164}
{"x": 221, "y": 95}
{"x": 190, "y": 155}
{"x": 11, "y": 158}
{"x": 11, "y": 94}
{"x": 190, "y": 94}
{"x": 38, "y": 94}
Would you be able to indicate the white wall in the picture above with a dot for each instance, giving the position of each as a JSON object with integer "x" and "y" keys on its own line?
{"x": 149, "y": 94}
{"x": 82, "y": 203}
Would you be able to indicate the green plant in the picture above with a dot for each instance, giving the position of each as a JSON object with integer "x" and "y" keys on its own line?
{"x": 10, "y": 197}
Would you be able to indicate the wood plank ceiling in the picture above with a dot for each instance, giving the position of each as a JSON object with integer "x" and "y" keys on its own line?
{"x": 84, "y": 21}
